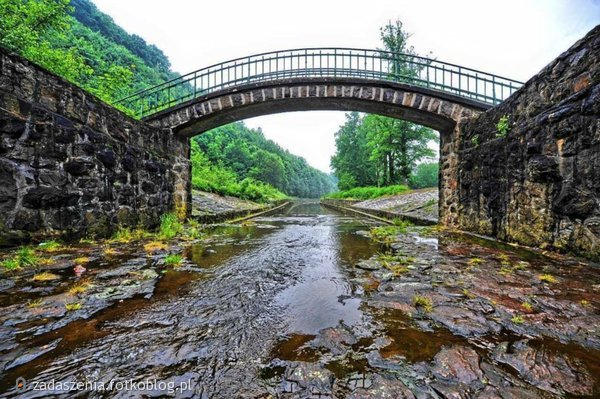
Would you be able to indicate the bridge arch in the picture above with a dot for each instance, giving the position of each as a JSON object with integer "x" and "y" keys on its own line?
{"x": 418, "y": 89}
{"x": 438, "y": 110}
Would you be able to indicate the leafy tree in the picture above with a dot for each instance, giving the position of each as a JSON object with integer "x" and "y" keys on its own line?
{"x": 425, "y": 175}
{"x": 247, "y": 153}
{"x": 378, "y": 150}
{"x": 352, "y": 159}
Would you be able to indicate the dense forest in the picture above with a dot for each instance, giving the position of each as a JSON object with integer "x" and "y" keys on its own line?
{"x": 247, "y": 153}
{"x": 83, "y": 45}
{"x": 374, "y": 150}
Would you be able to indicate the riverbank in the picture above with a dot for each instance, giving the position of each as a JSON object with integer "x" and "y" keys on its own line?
{"x": 209, "y": 208}
{"x": 417, "y": 206}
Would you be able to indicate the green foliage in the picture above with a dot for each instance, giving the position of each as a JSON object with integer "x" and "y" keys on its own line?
{"x": 23, "y": 257}
{"x": 517, "y": 319}
{"x": 502, "y": 126}
{"x": 173, "y": 260}
{"x": 89, "y": 49}
{"x": 364, "y": 193}
{"x": 425, "y": 175}
{"x": 170, "y": 226}
{"x": 378, "y": 150}
{"x": 238, "y": 161}
{"x": 10, "y": 264}
{"x": 475, "y": 140}
{"x": 384, "y": 233}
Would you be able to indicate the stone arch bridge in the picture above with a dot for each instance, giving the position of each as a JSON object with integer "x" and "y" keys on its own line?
{"x": 418, "y": 89}
{"x": 70, "y": 164}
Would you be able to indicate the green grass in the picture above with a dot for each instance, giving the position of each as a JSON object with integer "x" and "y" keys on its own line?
{"x": 24, "y": 257}
{"x": 365, "y": 193}
{"x": 170, "y": 226}
{"x": 173, "y": 260}
{"x": 517, "y": 319}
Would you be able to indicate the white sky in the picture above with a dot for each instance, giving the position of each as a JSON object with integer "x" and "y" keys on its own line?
{"x": 512, "y": 38}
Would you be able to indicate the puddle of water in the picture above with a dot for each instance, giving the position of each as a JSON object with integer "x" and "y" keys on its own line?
{"x": 295, "y": 348}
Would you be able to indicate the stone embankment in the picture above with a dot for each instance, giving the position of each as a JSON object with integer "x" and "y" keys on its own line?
{"x": 419, "y": 206}
{"x": 208, "y": 208}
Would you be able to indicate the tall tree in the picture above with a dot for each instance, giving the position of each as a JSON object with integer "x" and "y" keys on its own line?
{"x": 378, "y": 150}
{"x": 352, "y": 160}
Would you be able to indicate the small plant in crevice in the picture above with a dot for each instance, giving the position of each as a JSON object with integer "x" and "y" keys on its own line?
{"x": 154, "y": 246}
{"x": 35, "y": 303}
{"x": 80, "y": 287}
{"x": 547, "y": 278}
{"x": 173, "y": 260}
{"x": 73, "y": 306}
{"x": 81, "y": 260}
{"x": 475, "y": 140}
{"x": 423, "y": 302}
{"x": 584, "y": 303}
{"x": 527, "y": 306}
{"x": 517, "y": 319}
{"x": 45, "y": 276}
{"x": 502, "y": 127}
{"x": 468, "y": 294}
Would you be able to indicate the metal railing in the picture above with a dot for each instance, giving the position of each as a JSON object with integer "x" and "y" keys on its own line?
{"x": 323, "y": 62}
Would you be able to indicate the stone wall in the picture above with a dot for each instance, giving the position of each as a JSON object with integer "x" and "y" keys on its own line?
{"x": 540, "y": 184}
{"x": 72, "y": 165}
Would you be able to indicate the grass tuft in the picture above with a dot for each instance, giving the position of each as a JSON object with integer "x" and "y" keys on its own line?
{"x": 45, "y": 276}
{"x": 35, "y": 303}
{"x": 50, "y": 246}
{"x": 173, "y": 260}
{"x": 73, "y": 306}
{"x": 423, "y": 302}
{"x": 170, "y": 226}
{"x": 80, "y": 287}
{"x": 154, "y": 246}
{"x": 517, "y": 319}
{"x": 547, "y": 278}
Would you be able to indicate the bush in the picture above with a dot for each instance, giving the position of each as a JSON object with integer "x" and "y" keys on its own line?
{"x": 364, "y": 193}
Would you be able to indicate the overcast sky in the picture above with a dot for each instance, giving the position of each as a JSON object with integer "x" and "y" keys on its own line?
{"x": 512, "y": 38}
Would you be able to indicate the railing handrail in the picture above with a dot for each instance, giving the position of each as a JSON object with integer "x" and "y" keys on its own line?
{"x": 307, "y": 54}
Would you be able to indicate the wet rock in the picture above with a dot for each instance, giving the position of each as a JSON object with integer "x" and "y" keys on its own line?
{"x": 457, "y": 364}
{"x": 368, "y": 264}
{"x": 463, "y": 322}
{"x": 548, "y": 371}
{"x": 33, "y": 353}
{"x": 309, "y": 377}
{"x": 383, "y": 387}
{"x": 49, "y": 197}
{"x": 336, "y": 340}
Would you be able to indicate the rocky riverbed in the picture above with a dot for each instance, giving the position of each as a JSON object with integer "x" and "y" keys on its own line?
{"x": 306, "y": 303}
